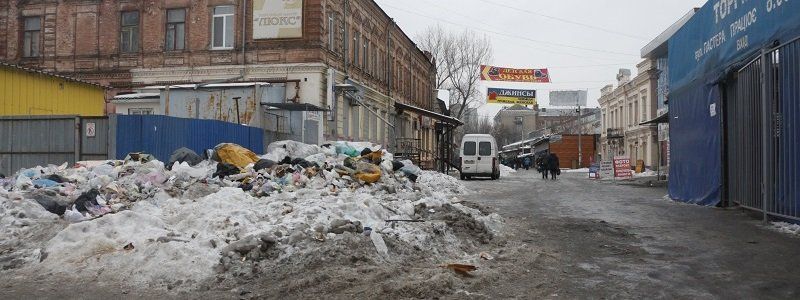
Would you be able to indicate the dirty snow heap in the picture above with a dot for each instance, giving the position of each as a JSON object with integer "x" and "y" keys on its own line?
{"x": 192, "y": 221}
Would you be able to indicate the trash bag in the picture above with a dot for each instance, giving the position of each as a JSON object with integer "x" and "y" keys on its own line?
{"x": 409, "y": 168}
{"x": 344, "y": 148}
{"x": 225, "y": 169}
{"x": 140, "y": 157}
{"x": 50, "y": 202}
{"x": 366, "y": 151}
{"x": 184, "y": 155}
{"x": 374, "y": 157}
{"x": 368, "y": 172}
{"x": 44, "y": 183}
{"x": 294, "y": 149}
{"x": 87, "y": 200}
{"x": 235, "y": 155}
{"x": 56, "y": 178}
{"x": 396, "y": 166}
{"x": 262, "y": 164}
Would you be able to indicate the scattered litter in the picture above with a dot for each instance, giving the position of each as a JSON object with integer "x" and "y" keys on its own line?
{"x": 380, "y": 245}
{"x": 461, "y": 269}
{"x": 230, "y": 215}
{"x": 486, "y": 256}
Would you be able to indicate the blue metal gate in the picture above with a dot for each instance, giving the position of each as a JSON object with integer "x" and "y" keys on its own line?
{"x": 763, "y": 133}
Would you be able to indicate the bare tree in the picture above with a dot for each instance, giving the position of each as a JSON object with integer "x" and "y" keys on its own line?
{"x": 458, "y": 58}
{"x": 480, "y": 125}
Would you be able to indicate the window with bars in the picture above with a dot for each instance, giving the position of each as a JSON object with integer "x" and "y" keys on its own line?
{"x": 222, "y": 27}
{"x": 176, "y": 30}
{"x": 129, "y": 32}
{"x": 32, "y": 36}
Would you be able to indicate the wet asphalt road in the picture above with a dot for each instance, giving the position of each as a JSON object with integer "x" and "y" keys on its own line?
{"x": 588, "y": 239}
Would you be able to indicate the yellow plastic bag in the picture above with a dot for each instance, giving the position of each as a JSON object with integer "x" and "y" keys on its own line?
{"x": 368, "y": 173}
{"x": 235, "y": 155}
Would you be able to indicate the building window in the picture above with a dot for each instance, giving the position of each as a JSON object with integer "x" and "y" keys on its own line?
{"x": 356, "y": 46}
{"x": 222, "y": 27}
{"x": 365, "y": 60}
{"x": 176, "y": 29}
{"x": 331, "y": 31}
{"x": 129, "y": 32}
{"x": 140, "y": 111}
{"x": 33, "y": 30}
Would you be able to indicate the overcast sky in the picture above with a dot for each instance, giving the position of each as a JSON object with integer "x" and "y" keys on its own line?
{"x": 583, "y": 42}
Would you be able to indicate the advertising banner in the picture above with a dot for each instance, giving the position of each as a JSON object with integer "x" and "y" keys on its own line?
{"x": 492, "y": 73}
{"x": 277, "y": 19}
{"x": 509, "y": 96}
{"x": 594, "y": 171}
{"x": 606, "y": 169}
{"x": 622, "y": 167}
{"x": 568, "y": 98}
{"x": 723, "y": 32}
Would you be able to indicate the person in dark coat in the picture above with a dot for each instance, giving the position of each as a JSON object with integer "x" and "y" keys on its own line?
{"x": 526, "y": 162}
{"x": 555, "y": 167}
{"x": 542, "y": 164}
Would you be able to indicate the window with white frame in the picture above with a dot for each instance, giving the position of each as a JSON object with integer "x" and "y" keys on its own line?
{"x": 222, "y": 27}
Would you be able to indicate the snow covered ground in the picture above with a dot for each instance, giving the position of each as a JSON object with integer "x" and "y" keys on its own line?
{"x": 506, "y": 171}
{"x": 787, "y": 228}
{"x": 181, "y": 227}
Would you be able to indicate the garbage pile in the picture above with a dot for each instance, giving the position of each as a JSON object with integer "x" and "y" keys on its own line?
{"x": 140, "y": 221}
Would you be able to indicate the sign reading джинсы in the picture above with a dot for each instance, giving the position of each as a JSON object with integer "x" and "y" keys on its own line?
{"x": 492, "y": 73}
{"x": 509, "y": 96}
{"x": 277, "y": 19}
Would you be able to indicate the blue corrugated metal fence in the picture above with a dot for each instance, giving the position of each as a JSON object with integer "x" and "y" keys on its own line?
{"x": 162, "y": 135}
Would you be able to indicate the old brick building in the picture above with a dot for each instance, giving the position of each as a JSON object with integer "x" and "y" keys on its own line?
{"x": 309, "y": 48}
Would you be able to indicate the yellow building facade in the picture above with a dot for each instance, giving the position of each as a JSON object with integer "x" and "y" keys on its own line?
{"x": 28, "y": 92}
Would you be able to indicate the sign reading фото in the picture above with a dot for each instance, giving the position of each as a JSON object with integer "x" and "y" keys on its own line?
{"x": 492, "y": 73}
{"x": 277, "y": 19}
{"x": 509, "y": 96}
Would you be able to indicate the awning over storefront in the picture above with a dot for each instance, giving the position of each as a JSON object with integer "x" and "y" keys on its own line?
{"x": 293, "y": 106}
{"x": 439, "y": 117}
{"x": 659, "y": 120}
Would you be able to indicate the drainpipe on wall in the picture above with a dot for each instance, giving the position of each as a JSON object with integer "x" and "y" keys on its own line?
{"x": 244, "y": 37}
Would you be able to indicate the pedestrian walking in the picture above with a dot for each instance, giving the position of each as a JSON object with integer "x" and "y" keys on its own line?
{"x": 543, "y": 168}
{"x": 527, "y": 163}
{"x": 555, "y": 168}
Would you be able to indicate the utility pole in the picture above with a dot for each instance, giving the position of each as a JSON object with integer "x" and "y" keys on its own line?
{"x": 580, "y": 133}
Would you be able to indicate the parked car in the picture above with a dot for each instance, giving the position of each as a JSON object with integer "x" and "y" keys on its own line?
{"x": 479, "y": 157}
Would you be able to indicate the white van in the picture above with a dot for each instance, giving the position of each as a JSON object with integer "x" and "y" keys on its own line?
{"x": 479, "y": 157}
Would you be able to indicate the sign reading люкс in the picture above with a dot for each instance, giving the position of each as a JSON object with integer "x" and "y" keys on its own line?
{"x": 277, "y": 19}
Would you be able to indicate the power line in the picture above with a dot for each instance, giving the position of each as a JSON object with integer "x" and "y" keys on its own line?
{"x": 433, "y": 3}
{"x": 510, "y": 35}
{"x": 566, "y": 21}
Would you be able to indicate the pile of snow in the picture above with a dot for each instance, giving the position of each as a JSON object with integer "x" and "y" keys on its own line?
{"x": 788, "y": 228}
{"x": 144, "y": 225}
{"x": 506, "y": 171}
{"x": 647, "y": 173}
{"x": 584, "y": 170}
